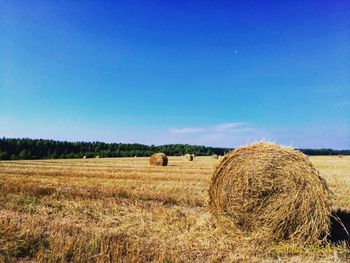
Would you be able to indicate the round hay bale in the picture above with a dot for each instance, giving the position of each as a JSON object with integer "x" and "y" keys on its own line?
{"x": 189, "y": 157}
{"x": 215, "y": 156}
{"x": 340, "y": 156}
{"x": 158, "y": 159}
{"x": 270, "y": 192}
{"x": 97, "y": 157}
{"x": 84, "y": 157}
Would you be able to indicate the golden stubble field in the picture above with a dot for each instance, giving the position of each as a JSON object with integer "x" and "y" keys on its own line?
{"x": 124, "y": 210}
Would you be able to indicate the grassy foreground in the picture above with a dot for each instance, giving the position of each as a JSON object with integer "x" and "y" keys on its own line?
{"x": 123, "y": 210}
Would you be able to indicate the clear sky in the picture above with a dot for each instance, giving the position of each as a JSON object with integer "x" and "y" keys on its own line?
{"x": 218, "y": 73}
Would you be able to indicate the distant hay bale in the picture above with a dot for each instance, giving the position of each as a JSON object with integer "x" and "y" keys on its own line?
{"x": 215, "y": 156}
{"x": 158, "y": 159}
{"x": 97, "y": 156}
{"x": 84, "y": 157}
{"x": 189, "y": 157}
{"x": 340, "y": 156}
{"x": 270, "y": 192}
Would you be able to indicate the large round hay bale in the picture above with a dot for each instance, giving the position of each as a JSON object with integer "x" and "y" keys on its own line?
{"x": 158, "y": 159}
{"x": 270, "y": 192}
{"x": 189, "y": 157}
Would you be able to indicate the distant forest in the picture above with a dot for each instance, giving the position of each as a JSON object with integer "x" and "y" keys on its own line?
{"x": 25, "y": 149}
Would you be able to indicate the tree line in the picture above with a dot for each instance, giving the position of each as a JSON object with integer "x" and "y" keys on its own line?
{"x": 22, "y": 149}
{"x": 26, "y": 149}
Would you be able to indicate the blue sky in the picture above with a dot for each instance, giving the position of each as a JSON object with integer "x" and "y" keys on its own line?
{"x": 219, "y": 73}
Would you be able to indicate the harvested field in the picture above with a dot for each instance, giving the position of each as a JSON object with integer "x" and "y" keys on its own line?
{"x": 123, "y": 209}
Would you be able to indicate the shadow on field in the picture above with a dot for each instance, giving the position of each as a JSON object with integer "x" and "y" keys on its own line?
{"x": 340, "y": 226}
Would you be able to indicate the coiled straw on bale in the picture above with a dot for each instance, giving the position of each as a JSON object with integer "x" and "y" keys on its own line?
{"x": 270, "y": 192}
{"x": 158, "y": 159}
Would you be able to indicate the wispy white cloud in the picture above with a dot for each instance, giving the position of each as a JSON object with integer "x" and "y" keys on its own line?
{"x": 224, "y": 134}
{"x": 215, "y": 128}
{"x": 227, "y": 126}
{"x": 233, "y": 134}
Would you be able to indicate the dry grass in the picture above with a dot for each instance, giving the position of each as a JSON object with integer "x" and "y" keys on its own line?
{"x": 124, "y": 210}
